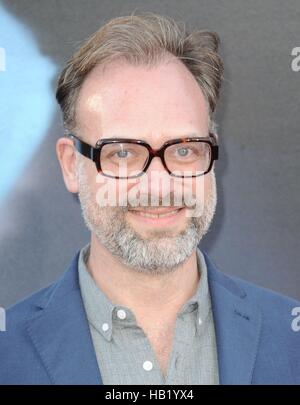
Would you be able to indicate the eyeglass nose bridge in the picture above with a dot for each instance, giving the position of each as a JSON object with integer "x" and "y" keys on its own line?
{"x": 156, "y": 153}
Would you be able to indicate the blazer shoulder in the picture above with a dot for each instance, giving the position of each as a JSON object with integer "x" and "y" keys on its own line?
{"x": 280, "y": 329}
{"x": 265, "y": 296}
{"x": 280, "y": 313}
{"x": 277, "y": 309}
{"x": 19, "y": 358}
{"x": 240, "y": 287}
{"x": 28, "y": 306}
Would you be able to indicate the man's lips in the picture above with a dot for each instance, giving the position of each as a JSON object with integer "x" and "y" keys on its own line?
{"x": 159, "y": 217}
{"x": 156, "y": 211}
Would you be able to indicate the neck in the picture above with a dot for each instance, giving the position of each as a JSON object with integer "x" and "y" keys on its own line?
{"x": 155, "y": 294}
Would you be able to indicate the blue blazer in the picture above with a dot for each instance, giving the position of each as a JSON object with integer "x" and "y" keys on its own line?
{"x": 47, "y": 338}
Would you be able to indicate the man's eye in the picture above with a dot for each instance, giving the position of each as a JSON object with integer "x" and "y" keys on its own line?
{"x": 184, "y": 152}
{"x": 122, "y": 153}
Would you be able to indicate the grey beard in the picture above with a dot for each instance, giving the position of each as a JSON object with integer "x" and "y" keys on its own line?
{"x": 158, "y": 254}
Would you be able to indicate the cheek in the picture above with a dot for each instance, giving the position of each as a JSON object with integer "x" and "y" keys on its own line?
{"x": 92, "y": 175}
{"x": 202, "y": 187}
{"x": 209, "y": 185}
{"x": 110, "y": 192}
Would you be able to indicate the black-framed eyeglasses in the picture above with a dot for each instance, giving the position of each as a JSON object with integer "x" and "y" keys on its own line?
{"x": 123, "y": 158}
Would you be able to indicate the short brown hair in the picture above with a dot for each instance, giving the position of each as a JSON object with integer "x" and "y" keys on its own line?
{"x": 145, "y": 39}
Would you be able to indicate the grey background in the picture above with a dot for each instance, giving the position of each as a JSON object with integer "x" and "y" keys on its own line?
{"x": 255, "y": 234}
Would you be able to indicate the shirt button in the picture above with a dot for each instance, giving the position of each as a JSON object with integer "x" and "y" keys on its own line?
{"x": 147, "y": 365}
{"x": 121, "y": 314}
{"x": 105, "y": 327}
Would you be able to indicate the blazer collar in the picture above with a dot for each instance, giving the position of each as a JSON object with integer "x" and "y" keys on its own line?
{"x": 60, "y": 332}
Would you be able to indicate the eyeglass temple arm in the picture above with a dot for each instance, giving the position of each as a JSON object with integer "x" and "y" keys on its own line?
{"x": 84, "y": 148}
{"x": 215, "y": 146}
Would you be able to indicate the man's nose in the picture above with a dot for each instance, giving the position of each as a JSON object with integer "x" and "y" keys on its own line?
{"x": 160, "y": 183}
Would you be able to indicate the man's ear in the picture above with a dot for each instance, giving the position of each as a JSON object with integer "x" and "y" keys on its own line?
{"x": 66, "y": 155}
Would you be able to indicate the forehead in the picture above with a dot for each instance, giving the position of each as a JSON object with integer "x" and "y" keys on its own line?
{"x": 149, "y": 103}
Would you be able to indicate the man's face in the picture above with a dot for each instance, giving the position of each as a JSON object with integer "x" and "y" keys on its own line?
{"x": 156, "y": 105}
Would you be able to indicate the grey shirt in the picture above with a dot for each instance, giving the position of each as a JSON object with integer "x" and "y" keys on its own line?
{"x": 124, "y": 352}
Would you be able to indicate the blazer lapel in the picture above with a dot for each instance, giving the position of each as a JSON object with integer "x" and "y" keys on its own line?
{"x": 237, "y": 327}
{"x": 60, "y": 333}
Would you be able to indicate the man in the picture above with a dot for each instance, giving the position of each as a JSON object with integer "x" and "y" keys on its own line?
{"x": 141, "y": 303}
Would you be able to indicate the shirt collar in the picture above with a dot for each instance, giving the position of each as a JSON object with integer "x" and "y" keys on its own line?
{"x": 103, "y": 314}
